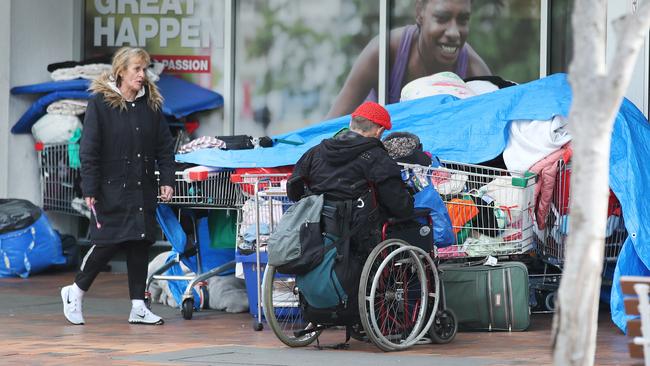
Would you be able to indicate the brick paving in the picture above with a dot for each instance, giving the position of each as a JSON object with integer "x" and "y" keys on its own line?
{"x": 33, "y": 331}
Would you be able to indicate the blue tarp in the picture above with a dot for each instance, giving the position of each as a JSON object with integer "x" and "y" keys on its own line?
{"x": 39, "y": 108}
{"x": 470, "y": 130}
{"x": 182, "y": 98}
{"x": 31, "y": 249}
{"x": 476, "y": 129}
{"x": 51, "y": 86}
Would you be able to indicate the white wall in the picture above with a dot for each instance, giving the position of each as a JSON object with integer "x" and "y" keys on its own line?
{"x": 41, "y": 32}
{"x": 5, "y": 61}
{"x": 637, "y": 92}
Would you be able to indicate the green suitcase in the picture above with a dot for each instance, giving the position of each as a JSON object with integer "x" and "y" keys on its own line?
{"x": 488, "y": 297}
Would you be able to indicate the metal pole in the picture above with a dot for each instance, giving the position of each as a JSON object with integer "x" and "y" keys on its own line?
{"x": 229, "y": 68}
{"x": 384, "y": 33}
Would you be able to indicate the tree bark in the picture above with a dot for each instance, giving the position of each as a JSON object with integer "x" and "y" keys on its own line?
{"x": 597, "y": 96}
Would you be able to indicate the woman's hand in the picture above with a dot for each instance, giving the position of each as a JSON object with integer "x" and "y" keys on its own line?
{"x": 166, "y": 193}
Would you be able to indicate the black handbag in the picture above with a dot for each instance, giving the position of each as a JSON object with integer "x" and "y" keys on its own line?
{"x": 237, "y": 142}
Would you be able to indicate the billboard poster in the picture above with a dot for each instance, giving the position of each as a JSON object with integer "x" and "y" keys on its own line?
{"x": 186, "y": 36}
{"x": 473, "y": 37}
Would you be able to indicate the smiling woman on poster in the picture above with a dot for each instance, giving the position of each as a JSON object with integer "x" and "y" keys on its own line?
{"x": 436, "y": 42}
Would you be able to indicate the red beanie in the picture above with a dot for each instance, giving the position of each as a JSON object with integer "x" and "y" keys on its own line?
{"x": 373, "y": 112}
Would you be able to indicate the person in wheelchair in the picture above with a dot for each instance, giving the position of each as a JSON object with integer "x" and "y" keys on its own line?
{"x": 362, "y": 186}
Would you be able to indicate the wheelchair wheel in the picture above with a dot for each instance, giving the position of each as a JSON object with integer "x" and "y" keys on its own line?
{"x": 282, "y": 310}
{"x": 393, "y": 295}
{"x": 444, "y": 328}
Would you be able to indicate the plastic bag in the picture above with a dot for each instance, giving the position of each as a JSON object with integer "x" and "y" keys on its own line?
{"x": 443, "y": 234}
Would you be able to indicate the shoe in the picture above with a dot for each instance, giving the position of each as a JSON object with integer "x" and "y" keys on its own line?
{"x": 142, "y": 315}
{"x": 72, "y": 306}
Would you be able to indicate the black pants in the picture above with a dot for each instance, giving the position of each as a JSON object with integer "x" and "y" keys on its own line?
{"x": 98, "y": 256}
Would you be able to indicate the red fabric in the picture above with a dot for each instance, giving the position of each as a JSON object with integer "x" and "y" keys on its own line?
{"x": 191, "y": 126}
{"x": 374, "y": 112}
{"x": 249, "y": 188}
{"x": 562, "y": 191}
{"x": 614, "y": 207}
{"x": 546, "y": 170}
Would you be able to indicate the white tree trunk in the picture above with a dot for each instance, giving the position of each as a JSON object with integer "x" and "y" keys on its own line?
{"x": 597, "y": 96}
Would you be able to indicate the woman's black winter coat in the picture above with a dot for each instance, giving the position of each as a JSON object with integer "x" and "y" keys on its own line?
{"x": 119, "y": 153}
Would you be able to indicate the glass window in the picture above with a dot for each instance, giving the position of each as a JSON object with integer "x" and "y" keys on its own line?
{"x": 561, "y": 35}
{"x": 185, "y": 35}
{"x": 468, "y": 37}
{"x": 293, "y": 58}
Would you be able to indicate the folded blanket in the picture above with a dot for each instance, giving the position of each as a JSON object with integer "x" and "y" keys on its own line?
{"x": 70, "y": 107}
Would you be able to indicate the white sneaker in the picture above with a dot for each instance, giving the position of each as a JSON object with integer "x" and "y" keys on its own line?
{"x": 142, "y": 315}
{"x": 72, "y": 306}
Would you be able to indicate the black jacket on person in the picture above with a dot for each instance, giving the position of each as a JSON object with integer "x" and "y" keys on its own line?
{"x": 119, "y": 151}
{"x": 343, "y": 167}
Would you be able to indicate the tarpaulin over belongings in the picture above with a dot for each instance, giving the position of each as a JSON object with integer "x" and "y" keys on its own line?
{"x": 469, "y": 130}
{"x": 181, "y": 98}
{"x": 475, "y": 129}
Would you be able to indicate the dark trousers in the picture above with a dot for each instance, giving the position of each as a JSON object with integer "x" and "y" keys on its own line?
{"x": 98, "y": 256}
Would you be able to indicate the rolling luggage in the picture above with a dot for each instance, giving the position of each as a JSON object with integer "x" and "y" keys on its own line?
{"x": 488, "y": 297}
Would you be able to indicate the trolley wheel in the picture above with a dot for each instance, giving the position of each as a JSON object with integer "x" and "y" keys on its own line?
{"x": 281, "y": 304}
{"x": 549, "y": 300}
{"x": 444, "y": 327}
{"x": 393, "y": 295}
{"x": 257, "y": 326}
{"x": 205, "y": 295}
{"x": 147, "y": 302}
{"x": 187, "y": 308}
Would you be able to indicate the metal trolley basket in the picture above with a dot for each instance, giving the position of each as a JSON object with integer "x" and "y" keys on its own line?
{"x": 265, "y": 200}
{"x": 491, "y": 209}
{"x": 552, "y": 238}
{"x": 60, "y": 177}
{"x": 212, "y": 190}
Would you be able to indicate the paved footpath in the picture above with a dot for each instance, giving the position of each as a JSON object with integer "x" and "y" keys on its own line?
{"x": 33, "y": 331}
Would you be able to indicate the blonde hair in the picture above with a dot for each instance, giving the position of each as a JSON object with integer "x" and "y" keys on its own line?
{"x": 121, "y": 60}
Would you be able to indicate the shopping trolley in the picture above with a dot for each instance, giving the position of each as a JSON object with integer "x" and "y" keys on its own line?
{"x": 491, "y": 210}
{"x": 551, "y": 240}
{"x": 265, "y": 201}
{"x": 212, "y": 190}
{"x": 60, "y": 179}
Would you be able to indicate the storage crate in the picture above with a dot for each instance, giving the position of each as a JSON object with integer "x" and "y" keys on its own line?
{"x": 287, "y": 304}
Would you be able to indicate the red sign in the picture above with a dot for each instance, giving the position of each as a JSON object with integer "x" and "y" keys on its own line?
{"x": 176, "y": 64}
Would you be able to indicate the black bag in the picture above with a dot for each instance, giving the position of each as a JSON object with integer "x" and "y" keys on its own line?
{"x": 237, "y": 142}
{"x": 313, "y": 250}
{"x": 329, "y": 291}
{"x": 16, "y": 214}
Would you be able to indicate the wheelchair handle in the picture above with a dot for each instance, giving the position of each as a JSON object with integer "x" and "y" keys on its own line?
{"x": 418, "y": 212}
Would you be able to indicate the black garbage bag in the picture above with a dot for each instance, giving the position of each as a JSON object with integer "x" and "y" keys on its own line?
{"x": 16, "y": 214}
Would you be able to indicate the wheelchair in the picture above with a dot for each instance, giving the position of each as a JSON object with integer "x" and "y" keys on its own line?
{"x": 400, "y": 297}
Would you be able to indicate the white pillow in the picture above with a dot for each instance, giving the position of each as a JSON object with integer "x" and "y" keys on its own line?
{"x": 55, "y": 128}
{"x": 441, "y": 83}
